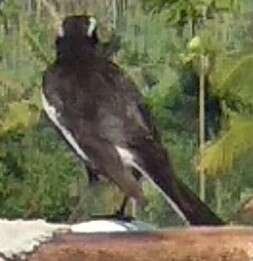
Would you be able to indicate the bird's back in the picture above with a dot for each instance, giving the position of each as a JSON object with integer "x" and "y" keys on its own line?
{"x": 97, "y": 95}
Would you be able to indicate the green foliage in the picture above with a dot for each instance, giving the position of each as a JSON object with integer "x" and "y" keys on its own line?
{"x": 193, "y": 4}
{"x": 219, "y": 157}
{"x": 27, "y": 189}
{"x": 35, "y": 177}
{"x": 157, "y": 210}
{"x": 19, "y": 117}
{"x": 39, "y": 177}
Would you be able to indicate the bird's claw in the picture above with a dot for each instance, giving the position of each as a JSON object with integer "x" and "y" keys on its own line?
{"x": 118, "y": 216}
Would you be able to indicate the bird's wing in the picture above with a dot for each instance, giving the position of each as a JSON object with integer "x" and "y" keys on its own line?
{"x": 138, "y": 110}
{"x": 121, "y": 106}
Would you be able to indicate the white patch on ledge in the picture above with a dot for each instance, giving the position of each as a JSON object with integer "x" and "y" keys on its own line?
{"x": 53, "y": 115}
{"x": 19, "y": 237}
{"x": 110, "y": 226}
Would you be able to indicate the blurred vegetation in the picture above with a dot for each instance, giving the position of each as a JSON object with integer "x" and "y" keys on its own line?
{"x": 162, "y": 43}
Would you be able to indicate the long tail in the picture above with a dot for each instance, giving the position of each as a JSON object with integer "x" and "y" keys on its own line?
{"x": 152, "y": 161}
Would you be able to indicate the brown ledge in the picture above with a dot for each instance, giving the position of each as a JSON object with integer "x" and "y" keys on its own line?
{"x": 190, "y": 244}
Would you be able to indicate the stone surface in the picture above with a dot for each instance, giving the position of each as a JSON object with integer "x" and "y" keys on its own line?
{"x": 189, "y": 244}
{"x": 105, "y": 240}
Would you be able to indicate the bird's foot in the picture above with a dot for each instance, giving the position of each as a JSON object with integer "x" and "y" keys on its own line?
{"x": 123, "y": 217}
{"x": 118, "y": 216}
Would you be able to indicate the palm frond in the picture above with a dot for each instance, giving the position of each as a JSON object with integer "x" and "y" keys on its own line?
{"x": 232, "y": 79}
{"x": 219, "y": 156}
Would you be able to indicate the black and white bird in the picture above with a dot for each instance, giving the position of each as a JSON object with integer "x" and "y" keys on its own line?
{"x": 100, "y": 113}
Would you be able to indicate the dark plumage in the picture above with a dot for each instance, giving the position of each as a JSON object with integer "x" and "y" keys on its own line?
{"x": 101, "y": 114}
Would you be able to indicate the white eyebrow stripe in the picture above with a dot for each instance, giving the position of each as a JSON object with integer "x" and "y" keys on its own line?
{"x": 60, "y": 32}
{"x": 92, "y": 26}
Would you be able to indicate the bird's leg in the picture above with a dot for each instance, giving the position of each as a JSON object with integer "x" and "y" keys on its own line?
{"x": 93, "y": 174}
{"x": 121, "y": 211}
{"x": 120, "y": 214}
{"x": 134, "y": 208}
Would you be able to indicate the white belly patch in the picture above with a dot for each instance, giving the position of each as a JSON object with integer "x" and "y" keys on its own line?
{"x": 126, "y": 156}
{"x": 53, "y": 116}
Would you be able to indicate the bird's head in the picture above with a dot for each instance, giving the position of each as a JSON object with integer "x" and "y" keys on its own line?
{"x": 79, "y": 28}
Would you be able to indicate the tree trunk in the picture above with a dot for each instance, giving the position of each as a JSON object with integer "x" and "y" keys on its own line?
{"x": 38, "y": 10}
{"x": 202, "y": 178}
{"x": 115, "y": 13}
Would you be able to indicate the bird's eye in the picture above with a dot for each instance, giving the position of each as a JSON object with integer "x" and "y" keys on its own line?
{"x": 92, "y": 26}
